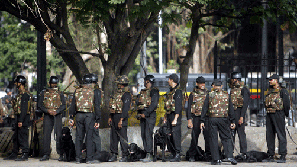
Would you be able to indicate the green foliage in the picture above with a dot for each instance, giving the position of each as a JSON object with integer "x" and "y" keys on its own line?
{"x": 18, "y": 46}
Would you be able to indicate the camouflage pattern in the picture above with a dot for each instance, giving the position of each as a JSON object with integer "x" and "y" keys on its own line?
{"x": 52, "y": 99}
{"x": 116, "y": 103}
{"x": 218, "y": 103}
{"x": 144, "y": 99}
{"x": 122, "y": 79}
{"x": 169, "y": 102}
{"x": 236, "y": 97}
{"x": 84, "y": 98}
{"x": 198, "y": 100}
{"x": 273, "y": 101}
{"x": 16, "y": 103}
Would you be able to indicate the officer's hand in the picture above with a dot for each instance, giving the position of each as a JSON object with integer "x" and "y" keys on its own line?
{"x": 174, "y": 122}
{"x": 109, "y": 121}
{"x": 232, "y": 126}
{"x": 240, "y": 121}
{"x": 142, "y": 115}
{"x": 71, "y": 122}
{"x": 120, "y": 124}
{"x": 164, "y": 120}
{"x": 20, "y": 124}
{"x": 202, "y": 126}
{"x": 190, "y": 124}
{"x": 96, "y": 125}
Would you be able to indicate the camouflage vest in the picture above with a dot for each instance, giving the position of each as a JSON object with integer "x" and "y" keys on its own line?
{"x": 236, "y": 97}
{"x": 169, "y": 102}
{"x": 218, "y": 104}
{"x": 116, "y": 103}
{"x": 84, "y": 98}
{"x": 198, "y": 100}
{"x": 52, "y": 98}
{"x": 16, "y": 103}
{"x": 273, "y": 101}
{"x": 144, "y": 99}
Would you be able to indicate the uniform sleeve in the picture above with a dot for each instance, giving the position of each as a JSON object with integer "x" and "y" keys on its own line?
{"x": 178, "y": 97}
{"x": 97, "y": 105}
{"x": 190, "y": 101}
{"x": 24, "y": 107}
{"x": 205, "y": 108}
{"x": 40, "y": 102}
{"x": 246, "y": 101}
{"x": 126, "y": 98}
{"x": 63, "y": 105}
{"x": 72, "y": 111}
{"x": 231, "y": 113}
{"x": 154, "y": 102}
{"x": 286, "y": 101}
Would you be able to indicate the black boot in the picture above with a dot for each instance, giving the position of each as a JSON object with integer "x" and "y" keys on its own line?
{"x": 24, "y": 157}
{"x": 176, "y": 158}
{"x": 61, "y": 158}
{"x": 269, "y": 159}
{"x": 148, "y": 158}
{"x": 216, "y": 162}
{"x": 113, "y": 158}
{"x": 78, "y": 160}
{"x": 192, "y": 159}
{"x": 282, "y": 159}
{"x": 12, "y": 156}
{"x": 232, "y": 160}
{"x": 44, "y": 158}
{"x": 124, "y": 159}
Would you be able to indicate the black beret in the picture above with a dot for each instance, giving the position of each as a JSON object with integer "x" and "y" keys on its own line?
{"x": 174, "y": 77}
{"x": 200, "y": 79}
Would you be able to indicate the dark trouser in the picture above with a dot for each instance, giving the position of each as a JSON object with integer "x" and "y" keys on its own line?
{"x": 222, "y": 126}
{"x": 147, "y": 128}
{"x": 84, "y": 128}
{"x": 175, "y": 139}
{"x": 96, "y": 141}
{"x": 20, "y": 139}
{"x": 115, "y": 138}
{"x": 275, "y": 123}
{"x": 240, "y": 129}
{"x": 195, "y": 135}
{"x": 49, "y": 123}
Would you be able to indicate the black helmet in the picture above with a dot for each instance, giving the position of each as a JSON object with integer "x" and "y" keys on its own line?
{"x": 8, "y": 90}
{"x": 87, "y": 79}
{"x": 94, "y": 78}
{"x": 235, "y": 75}
{"x": 122, "y": 79}
{"x": 150, "y": 78}
{"x": 20, "y": 79}
{"x": 53, "y": 80}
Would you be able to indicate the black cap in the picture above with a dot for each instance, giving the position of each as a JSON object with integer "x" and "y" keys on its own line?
{"x": 53, "y": 80}
{"x": 235, "y": 75}
{"x": 200, "y": 79}
{"x": 274, "y": 76}
{"x": 217, "y": 82}
{"x": 150, "y": 78}
{"x": 174, "y": 77}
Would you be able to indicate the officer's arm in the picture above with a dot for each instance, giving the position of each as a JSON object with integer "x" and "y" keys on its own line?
{"x": 190, "y": 101}
{"x": 154, "y": 102}
{"x": 97, "y": 105}
{"x": 126, "y": 98}
{"x": 24, "y": 107}
{"x": 204, "y": 108}
{"x": 178, "y": 101}
{"x": 40, "y": 102}
{"x": 63, "y": 105}
{"x": 246, "y": 101}
{"x": 72, "y": 111}
{"x": 286, "y": 101}
{"x": 231, "y": 113}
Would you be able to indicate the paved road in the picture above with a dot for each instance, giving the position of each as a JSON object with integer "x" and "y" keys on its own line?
{"x": 53, "y": 163}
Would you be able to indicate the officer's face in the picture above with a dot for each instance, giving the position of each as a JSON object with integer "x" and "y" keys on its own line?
{"x": 217, "y": 87}
{"x": 170, "y": 81}
{"x": 148, "y": 84}
{"x": 272, "y": 81}
{"x": 120, "y": 86}
{"x": 53, "y": 85}
{"x": 200, "y": 85}
{"x": 233, "y": 81}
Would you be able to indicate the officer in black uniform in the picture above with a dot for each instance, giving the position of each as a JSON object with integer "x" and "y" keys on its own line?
{"x": 118, "y": 119}
{"x": 277, "y": 103}
{"x": 22, "y": 121}
{"x": 96, "y": 136}
{"x": 52, "y": 103}
{"x": 240, "y": 99}
{"x": 219, "y": 107}
{"x": 85, "y": 106}
{"x": 147, "y": 102}
{"x": 173, "y": 116}
{"x": 195, "y": 104}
